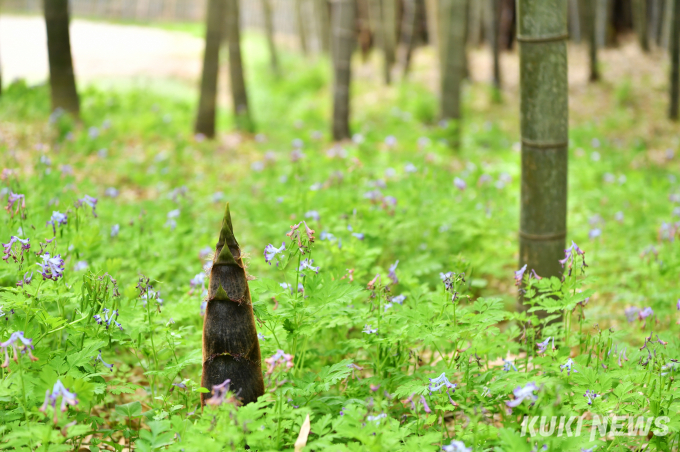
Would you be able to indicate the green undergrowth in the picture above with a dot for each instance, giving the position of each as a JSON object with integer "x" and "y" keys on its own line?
{"x": 394, "y": 211}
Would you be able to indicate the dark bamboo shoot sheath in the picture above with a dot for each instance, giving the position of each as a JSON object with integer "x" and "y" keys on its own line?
{"x": 542, "y": 35}
{"x": 674, "y": 46}
{"x": 62, "y": 77}
{"x": 231, "y": 349}
{"x": 207, "y": 104}
{"x": 343, "y": 26}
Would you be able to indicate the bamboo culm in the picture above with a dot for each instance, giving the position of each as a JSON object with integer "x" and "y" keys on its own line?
{"x": 207, "y": 104}
{"x": 62, "y": 77}
{"x": 343, "y": 44}
{"x": 231, "y": 349}
{"x": 542, "y": 34}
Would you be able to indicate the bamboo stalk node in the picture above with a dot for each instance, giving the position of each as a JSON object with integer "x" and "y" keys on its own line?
{"x": 544, "y": 144}
{"x": 543, "y": 237}
{"x": 540, "y": 39}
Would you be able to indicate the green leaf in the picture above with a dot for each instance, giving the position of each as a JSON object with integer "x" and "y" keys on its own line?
{"x": 130, "y": 410}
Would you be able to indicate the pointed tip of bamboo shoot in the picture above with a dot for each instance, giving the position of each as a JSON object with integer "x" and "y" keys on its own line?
{"x": 226, "y": 241}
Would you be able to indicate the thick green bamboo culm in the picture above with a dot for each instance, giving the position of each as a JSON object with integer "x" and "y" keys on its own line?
{"x": 675, "y": 60}
{"x": 542, "y": 35}
{"x": 452, "y": 54}
{"x": 237, "y": 82}
{"x": 207, "y": 104}
{"x": 62, "y": 77}
{"x": 343, "y": 27}
{"x": 269, "y": 31}
{"x": 231, "y": 349}
{"x": 591, "y": 17}
{"x": 300, "y": 22}
{"x": 389, "y": 22}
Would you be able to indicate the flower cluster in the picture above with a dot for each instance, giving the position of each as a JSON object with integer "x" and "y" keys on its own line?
{"x": 104, "y": 363}
{"x": 19, "y": 344}
{"x": 88, "y": 201}
{"x": 16, "y": 254}
{"x": 106, "y": 319}
{"x": 51, "y": 267}
{"x": 26, "y": 280}
{"x": 270, "y": 252}
{"x": 303, "y": 240}
{"x": 570, "y": 255}
{"x": 15, "y": 199}
{"x": 543, "y": 346}
{"x": 590, "y": 395}
{"x": 57, "y": 218}
{"x": 521, "y": 393}
{"x": 441, "y": 382}
{"x": 568, "y": 366}
{"x": 278, "y": 359}
{"x": 59, "y": 390}
{"x": 219, "y": 395}
{"x": 306, "y": 264}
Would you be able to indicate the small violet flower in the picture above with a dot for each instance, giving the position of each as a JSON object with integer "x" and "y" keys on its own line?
{"x": 278, "y": 359}
{"x": 508, "y": 365}
{"x": 90, "y": 202}
{"x": 590, "y": 395}
{"x": 543, "y": 346}
{"x": 8, "y": 249}
{"x": 369, "y": 330}
{"x": 59, "y": 390}
{"x": 456, "y": 446}
{"x": 392, "y": 273}
{"x": 51, "y": 267}
{"x": 106, "y": 319}
{"x": 568, "y": 365}
{"x": 521, "y": 393}
{"x": 19, "y": 344}
{"x": 459, "y": 184}
{"x": 101, "y": 360}
{"x": 307, "y": 264}
{"x": 519, "y": 274}
{"x": 270, "y": 251}
{"x": 57, "y": 218}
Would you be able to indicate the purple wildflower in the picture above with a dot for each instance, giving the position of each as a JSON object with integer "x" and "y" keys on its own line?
{"x": 90, "y": 202}
{"x": 399, "y": 299}
{"x": 392, "y": 273}
{"x": 459, "y": 184}
{"x": 590, "y": 395}
{"x": 219, "y": 393}
{"x": 80, "y": 265}
{"x": 52, "y": 267}
{"x": 631, "y": 313}
{"x": 568, "y": 365}
{"x": 622, "y": 354}
{"x": 410, "y": 168}
{"x": 106, "y": 320}
{"x": 508, "y": 365}
{"x": 19, "y": 344}
{"x": 646, "y": 312}
{"x": 440, "y": 382}
{"x": 313, "y": 214}
{"x": 307, "y": 264}
{"x": 519, "y": 274}
{"x": 570, "y": 256}
{"x": 521, "y": 393}
{"x": 59, "y": 390}
{"x": 100, "y": 359}
{"x": 13, "y": 199}
{"x": 594, "y": 233}
{"x": 26, "y": 280}
{"x": 543, "y": 346}
{"x": 426, "y": 408}
{"x": 456, "y": 446}
{"x": 115, "y": 229}
{"x": 278, "y": 359}
{"x": 8, "y": 249}
{"x": 678, "y": 304}
{"x": 369, "y": 330}
{"x": 57, "y": 218}
{"x": 270, "y": 251}
{"x": 198, "y": 280}
{"x": 358, "y": 235}
{"x": 111, "y": 192}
